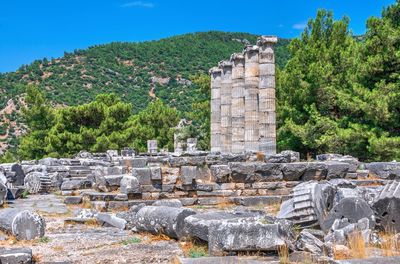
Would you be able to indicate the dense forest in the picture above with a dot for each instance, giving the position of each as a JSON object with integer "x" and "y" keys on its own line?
{"x": 335, "y": 92}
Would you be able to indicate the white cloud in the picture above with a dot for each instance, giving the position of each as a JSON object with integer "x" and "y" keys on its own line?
{"x": 139, "y": 4}
{"x": 300, "y": 26}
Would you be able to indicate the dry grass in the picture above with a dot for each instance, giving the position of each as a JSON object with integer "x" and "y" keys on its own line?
{"x": 58, "y": 248}
{"x": 356, "y": 244}
{"x": 341, "y": 252}
{"x": 36, "y": 258}
{"x": 283, "y": 253}
{"x": 260, "y": 156}
{"x": 154, "y": 238}
{"x": 390, "y": 245}
{"x": 194, "y": 249}
{"x": 86, "y": 204}
{"x": 223, "y": 203}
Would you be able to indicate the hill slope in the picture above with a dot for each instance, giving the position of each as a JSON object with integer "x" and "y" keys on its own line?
{"x": 137, "y": 72}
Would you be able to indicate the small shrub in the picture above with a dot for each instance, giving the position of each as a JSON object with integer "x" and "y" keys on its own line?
{"x": 133, "y": 240}
{"x": 283, "y": 253}
{"x": 44, "y": 239}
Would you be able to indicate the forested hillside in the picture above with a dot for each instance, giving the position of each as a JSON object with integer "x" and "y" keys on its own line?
{"x": 136, "y": 72}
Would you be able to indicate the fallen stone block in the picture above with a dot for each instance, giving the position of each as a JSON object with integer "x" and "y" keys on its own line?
{"x": 197, "y": 225}
{"x": 23, "y": 224}
{"x": 387, "y": 207}
{"x": 129, "y": 185}
{"x": 237, "y": 236}
{"x": 384, "y": 170}
{"x": 37, "y": 182}
{"x": 351, "y": 208}
{"x": 257, "y": 200}
{"x": 162, "y": 219}
{"x": 267, "y": 172}
{"x": 69, "y": 185}
{"x": 106, "y": 219}
{"x": 309, "y": 243}
{"x": 16, "y": 255}
{"x": 73, "y": 200}
{"x": 310, "y": 202}
{"x": 169, "y": 203}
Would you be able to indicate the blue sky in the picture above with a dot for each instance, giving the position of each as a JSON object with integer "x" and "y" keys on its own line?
{"x": 36, "y": 29}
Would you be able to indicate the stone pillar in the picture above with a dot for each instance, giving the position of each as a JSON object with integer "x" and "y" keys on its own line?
{"x": 267, "y": 115}
{"x": 152, "y": 146}
{"x": 251, "y": 79}
{"x": 215, "y": 109}
{"x": 238, "y": 105}
{"x": 226, "y": 93}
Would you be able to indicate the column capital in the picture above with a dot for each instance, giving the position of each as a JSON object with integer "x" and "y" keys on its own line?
{"x": 267, "y": 40}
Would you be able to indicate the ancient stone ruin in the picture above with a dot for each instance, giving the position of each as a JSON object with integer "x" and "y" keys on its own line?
{"x": 240, "y": 199}
{"x": 243, "y": 100}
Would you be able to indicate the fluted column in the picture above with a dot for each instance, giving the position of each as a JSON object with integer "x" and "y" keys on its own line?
{"x": 226, "y": 101}
{"x": 238, "y": 106}
{"x": 267, "y": 114}
{"x": 251, "y": 79}
{"x": 215, "y": 109}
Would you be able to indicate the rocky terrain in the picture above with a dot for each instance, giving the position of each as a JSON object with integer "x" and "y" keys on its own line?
{"x": 199, "y": 207}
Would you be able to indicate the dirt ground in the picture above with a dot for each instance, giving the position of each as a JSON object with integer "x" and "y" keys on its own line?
{"x": 79, "y": 243}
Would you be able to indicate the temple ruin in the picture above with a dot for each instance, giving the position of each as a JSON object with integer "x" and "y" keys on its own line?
{"x": 243, "y": 100}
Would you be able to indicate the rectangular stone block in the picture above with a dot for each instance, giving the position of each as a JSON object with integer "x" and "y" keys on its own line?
{"x": 188, "y": 174}
{"x": 143, "y": 175}
{"x": 267, "y": 69}
{"x": 156, "y": 173}
{"x": 267, "y": 82}
{"x": 137, "y": 162}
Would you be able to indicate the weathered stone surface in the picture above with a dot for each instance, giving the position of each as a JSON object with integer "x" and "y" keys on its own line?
{"x": 384, "y": 170}
{"x": 155, "y": 173}
{"x": 286, "y": 156}
{"x": 23, "y": 224}
{"x": 353, "y": 162}
{"x": 315, "y": 171}
{"x": 222, "y": 260}
{"x": 188, "y": 174}
{"x": 16, "y": 255}
{"x": 15, "y": 192}
{"x": 162, "y": 219}
{"x": 198, "y": 225}
{"x": 169, "y": 203}
{"x": 244, "y": 235}
{"x": 308, "y": 242}
{"x": 351, "y": 208}
{"x": 3, "y": 193}
{"x": 310, "y": 202}
{"x": 75, "y": 185}
{"x": 106, "y": 219}
{"x": 143, "y": 175}
{"x": 37, "y": 182}
{"x": 129, "y": 185}
{"x": 336, "y": 169}
{"x": 293, "y": 171}
{"x": 257, "y": 200}
{"x": 369, "y": 260}
{"x": 73, "y": 200}
{"x": 18, "y": 179}
{"x": 138, "y": 162}
{"x": 267, "y": 172}
{"x": 220, "y": 173}
{"x": 387, "y": 207}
